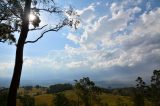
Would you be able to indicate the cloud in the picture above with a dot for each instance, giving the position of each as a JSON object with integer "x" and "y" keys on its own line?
{"x": 87, "y": 14}
{"x": 73, "y": 38}
{"x": 112, "y": 41}
{"x": 131, "y": 2}
{"x": 100, "y": 32}
{"x": 126, "y": 38}
{"x": 5, "y": 69}
{"x": 122, "y": 43}
{"x": 77, "y": 64}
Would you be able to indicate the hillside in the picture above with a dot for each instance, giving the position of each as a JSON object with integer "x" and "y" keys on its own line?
{"x": 44, "y": 99}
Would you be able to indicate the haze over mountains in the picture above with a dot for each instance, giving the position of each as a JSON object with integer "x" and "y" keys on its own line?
{"x": 105, "y": 84}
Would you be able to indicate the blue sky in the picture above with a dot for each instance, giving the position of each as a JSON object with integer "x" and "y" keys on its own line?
{"x": 116, "y": 41}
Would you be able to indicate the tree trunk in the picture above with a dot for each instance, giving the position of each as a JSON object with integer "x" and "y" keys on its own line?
{"x": 11, "y": 101}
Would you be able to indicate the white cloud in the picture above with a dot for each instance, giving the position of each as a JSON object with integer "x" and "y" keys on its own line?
{"x": 126, "y": 49}
{"x": 100, "y": 32}
{"x": 121, "y": 38}
{"x": 101, "y": 44}
{"x": 73, "y": 38}
{"x": 5, "y": 69}
{"x": 87, "y": 14}
{"x": 77, "y": 64}
{"x": 131, "y": 2}
{"x": 148, "y": 5}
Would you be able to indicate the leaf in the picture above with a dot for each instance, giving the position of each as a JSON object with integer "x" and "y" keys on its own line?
{"x": 36, "y": 21}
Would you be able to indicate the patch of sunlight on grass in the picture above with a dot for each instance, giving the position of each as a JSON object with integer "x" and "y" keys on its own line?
{"x": 46, "y": 99}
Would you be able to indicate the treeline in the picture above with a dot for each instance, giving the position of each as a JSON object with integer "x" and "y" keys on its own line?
{"x": 59, "y": 88}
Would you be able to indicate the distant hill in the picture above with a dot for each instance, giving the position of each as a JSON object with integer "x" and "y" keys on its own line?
{"x": 108, "y": 84}
{"x": 4, "y": 82}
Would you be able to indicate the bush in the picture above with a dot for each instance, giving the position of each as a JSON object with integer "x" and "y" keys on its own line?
{"x": 27, "y": 100}
{"x": 3, "y": 98}
{"x": 61, "y": 100}
{"x": 59, "y": 88}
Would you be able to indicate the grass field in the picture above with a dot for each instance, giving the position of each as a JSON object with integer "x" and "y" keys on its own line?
{"x": 48, "y": 99}
{"x": 44, "y": 99}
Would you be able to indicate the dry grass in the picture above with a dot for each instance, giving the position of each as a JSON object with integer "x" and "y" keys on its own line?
{"x": 48, "y": 99}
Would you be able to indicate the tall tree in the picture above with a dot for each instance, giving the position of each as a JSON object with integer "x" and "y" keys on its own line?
{"x": 86, "y": 91}
{"x": 14, "y": 17}
{"x": 155, "y": 88}
{"x": 61, "y": 100}
{"x": 139, "y": 92}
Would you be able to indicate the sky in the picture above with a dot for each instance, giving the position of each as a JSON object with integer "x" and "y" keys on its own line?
{"x": 116, "y": 41}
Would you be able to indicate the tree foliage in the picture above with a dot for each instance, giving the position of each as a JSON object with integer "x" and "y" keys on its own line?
{"x": 138, "y": 96}
{"x": 27, "y": 100}
{"x": 150, "y": 92}
{"x": 3, "y": 98}
{"x": 155, "y": 88}
{"x": 86, "y": 90}
{"x": 12, "y": 14}
{"x": 61, "y": 100}
{"x": 59, "y": 88}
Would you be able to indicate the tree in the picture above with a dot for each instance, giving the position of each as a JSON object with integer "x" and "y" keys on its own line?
{"x": 61, "y": 100}
{"x": 155, "y": 88}
{"x": 3, "y": 97}
{"x": 14, "y": 17}
{"x": 86, "y": 90}
{"x": 28, "y": 88}
{"x": 139, "y": 92}
{"x": 27, "y": 100}
{"x": 59, "y": 88}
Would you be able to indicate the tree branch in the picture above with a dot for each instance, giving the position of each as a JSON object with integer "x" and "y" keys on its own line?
{"x": 57, "y": 28}
{"x": 51, "y": 10}
{"x": 5, "y": 8}
{"x": 3, "y": 41}
{"x": 38, "y": 28}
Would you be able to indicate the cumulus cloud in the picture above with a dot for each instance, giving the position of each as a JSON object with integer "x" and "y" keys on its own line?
{"x": 73, "y": 38}
{"x": 126, "y": 40}
{"x": 122, "y": 39}
{"x": 111, "y": 41}
{"x": 87, "y": 14}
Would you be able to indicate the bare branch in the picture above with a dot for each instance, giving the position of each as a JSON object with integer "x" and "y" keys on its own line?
{"x": 67, "y": 21}
{"x": 38, "y": 28}
{"x": 57, "y": 28}
{"x": 51, "y": 10}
